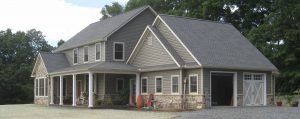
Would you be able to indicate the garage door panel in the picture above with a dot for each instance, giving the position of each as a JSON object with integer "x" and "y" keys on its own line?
{"x": 253, "y": 89}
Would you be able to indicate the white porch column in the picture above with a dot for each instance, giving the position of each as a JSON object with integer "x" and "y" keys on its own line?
{"x": 74, "y": 90}
{"x": 91, "y": 94}
{"x": 137, "y": 85}
{"x": 51, "y": 91}
{"x": 61, "y": 90}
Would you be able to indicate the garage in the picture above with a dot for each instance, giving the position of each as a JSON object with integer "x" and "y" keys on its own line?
{"x": 222, "y": 89}
{"x": 254, "y": 89}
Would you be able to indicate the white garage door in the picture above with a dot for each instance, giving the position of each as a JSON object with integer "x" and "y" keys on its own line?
{"x": 254, "y": 89}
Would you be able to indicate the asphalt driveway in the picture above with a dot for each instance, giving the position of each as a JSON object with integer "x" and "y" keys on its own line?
{"x": 30, "y": 111}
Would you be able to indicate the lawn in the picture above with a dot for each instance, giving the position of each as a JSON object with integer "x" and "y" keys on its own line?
{"x": 31, "y": 111}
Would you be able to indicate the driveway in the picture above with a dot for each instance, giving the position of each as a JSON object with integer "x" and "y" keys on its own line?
{"x": 30, "y": 111}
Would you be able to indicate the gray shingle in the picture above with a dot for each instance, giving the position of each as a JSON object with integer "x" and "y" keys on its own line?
{"x": 54, "y": 61}
{"x": 100, "y": 30}
{"x": 217, "y": 45}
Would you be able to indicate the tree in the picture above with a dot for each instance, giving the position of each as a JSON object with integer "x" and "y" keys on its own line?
{"x": 111, "y": 10}
{"x": 17, "y": 54}
{"x": 60, "y": 42}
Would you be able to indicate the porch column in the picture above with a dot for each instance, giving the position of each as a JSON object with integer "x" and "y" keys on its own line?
{"x": 61, "y": 90}
{"x": 137, "y": 86}
{"x": 74, "y": 90}
{"x": 91, "y": 95}
{"x": 51, "y": 91}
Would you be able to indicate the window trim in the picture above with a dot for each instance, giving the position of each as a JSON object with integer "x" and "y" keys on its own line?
{"x": 74, "y": 56}
{"x": 123, "y": 58}
{"x": 117, "y": 85}
{"x": 144, "y": 93}
{"x": 156, "y": 77}
{"x": 87, "y": 54}
{"x": 38, "y": 84}
{"x": 172, "y": 84}
{"x": 99, "y": 51}
{"x": 191, "y": 75}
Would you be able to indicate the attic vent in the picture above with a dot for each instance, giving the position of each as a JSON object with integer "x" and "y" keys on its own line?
{"x": 150, "y": 40}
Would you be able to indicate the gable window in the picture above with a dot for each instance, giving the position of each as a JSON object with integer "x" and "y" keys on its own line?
{"x": 175, "y": 84}
{"x": 158, "y": 84}
{"x": 193, "y": 83}
{"x": 41, "y": 87}
{"x": 98, "y": 51}
{"x": 119, "y": 51}
{"x": 144, "y": 85}
{"x": 75, "y": 56}
{"x": 85, "y": 54}
{"x": 120, "y": 84}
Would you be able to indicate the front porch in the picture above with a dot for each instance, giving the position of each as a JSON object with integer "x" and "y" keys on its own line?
{"x": 94, "y": 89}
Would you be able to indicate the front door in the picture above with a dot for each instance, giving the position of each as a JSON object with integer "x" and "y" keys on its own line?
{"x": 254, "y": 89}
{"x": 132, "y": 91}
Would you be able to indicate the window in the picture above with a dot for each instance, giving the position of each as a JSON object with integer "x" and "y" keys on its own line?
{"x": 86, "y": 54}
{"x": 36, "y": 87}
{"x": 158, "y": 84}
{"x": 175, "y": 84}
{"x": 98, "y": 50}
{"x": 75, "y": 56}
{"x": 118, "y": 51}
{"x": 120, "y": 84}
{"x": 193, "y": 83}
{"x": 144, "y": 85}
{"x": 41, "y": 87}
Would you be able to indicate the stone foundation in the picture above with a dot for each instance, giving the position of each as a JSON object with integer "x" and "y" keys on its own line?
{"x": 270, "y": 100}
{"x": 170, "y": 102}
{"x": 41, "y": 100}
{"x": 240, "y": 100}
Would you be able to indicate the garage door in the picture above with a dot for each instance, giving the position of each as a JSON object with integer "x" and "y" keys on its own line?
{"x": 254, "y": 89}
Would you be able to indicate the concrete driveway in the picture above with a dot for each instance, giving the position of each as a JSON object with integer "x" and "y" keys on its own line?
{"x": 30, "y": 111}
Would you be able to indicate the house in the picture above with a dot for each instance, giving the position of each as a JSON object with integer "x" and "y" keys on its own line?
{"x": 184, "y": 62}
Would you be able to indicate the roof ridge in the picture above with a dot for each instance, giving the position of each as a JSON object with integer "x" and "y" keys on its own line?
{"x": 191, "y": 18}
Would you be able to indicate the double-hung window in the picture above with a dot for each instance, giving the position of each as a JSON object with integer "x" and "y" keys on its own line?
{"x": 75, "y": 56}
{"x": 98, "y": 51}
{"x": 41, "y": 87}
{"x": 175, "y": 83}
{"x": 193, "y": 83}
{"x": 144, "y": 85}
{"x": 158, "y": 84}
{"x": 85, "y": 54}
{"x": 120, "y": 84}
{"x": 119, "y": 51}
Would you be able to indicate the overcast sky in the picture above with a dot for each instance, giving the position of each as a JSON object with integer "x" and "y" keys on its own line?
{"x": 57, "y": 19}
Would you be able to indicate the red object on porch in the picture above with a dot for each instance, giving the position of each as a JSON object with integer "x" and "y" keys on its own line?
{"x": 149, "y": 102}
{"x": 140, "y": 102}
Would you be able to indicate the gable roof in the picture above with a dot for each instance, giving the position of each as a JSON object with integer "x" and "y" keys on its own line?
{"x": 217, "y": 45}
{"x": 100, "y": 30}
{"x": 54, "y": 61}
{"x": 164, "y": 43}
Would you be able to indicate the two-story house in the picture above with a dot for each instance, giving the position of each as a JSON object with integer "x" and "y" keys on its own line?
{"x": 183, "y": 62}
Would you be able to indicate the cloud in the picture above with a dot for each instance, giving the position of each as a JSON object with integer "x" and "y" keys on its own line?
{"x": 57, "y": 19}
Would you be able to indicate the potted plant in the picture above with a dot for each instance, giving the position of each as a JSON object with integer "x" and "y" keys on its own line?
{"x": 294, "y": 104}
{"x": 289, "y": 99}
{"x": 278, "y": 101}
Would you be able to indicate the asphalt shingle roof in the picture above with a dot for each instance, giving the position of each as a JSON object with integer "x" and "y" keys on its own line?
{"x": 217, "y": 45}
{"x": 100, "y": 30}
{"x": 54, "y": 61}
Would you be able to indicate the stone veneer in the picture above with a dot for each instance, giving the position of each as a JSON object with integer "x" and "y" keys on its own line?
{"x": 270, "y": 100}
{"x": 169, "y": 102}
{"x": 41, "y": 100}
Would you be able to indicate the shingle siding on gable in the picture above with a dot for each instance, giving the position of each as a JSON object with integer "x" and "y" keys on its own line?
{"x": 69, "y": 53}
{"x": 187, "y": 58}
{"x": 129, "y": 34}
{"x": 41, "y": 70}
{"x": 151, "y": 55}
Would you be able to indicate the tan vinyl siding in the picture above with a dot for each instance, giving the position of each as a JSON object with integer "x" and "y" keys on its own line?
{"x": 129, "y": 34}
{"x": 166, "y": 80}
{"x": 152, "y": 54}
{"x": 183, "y": 53}
{"x": 69, "y": 53}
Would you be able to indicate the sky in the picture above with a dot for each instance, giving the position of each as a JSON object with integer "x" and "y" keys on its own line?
{"x": 57, "y": 19}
